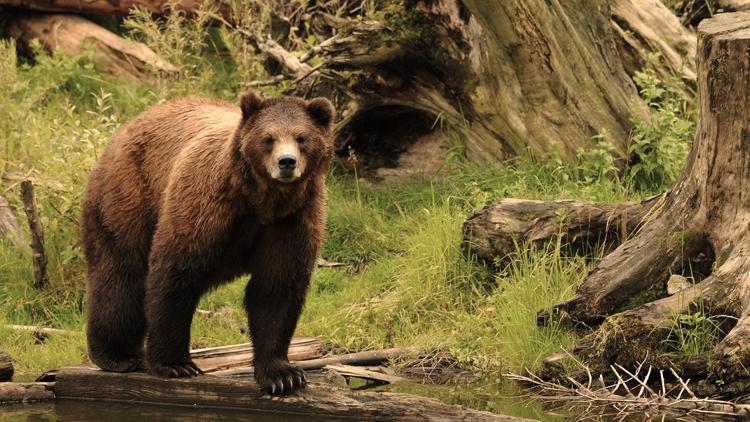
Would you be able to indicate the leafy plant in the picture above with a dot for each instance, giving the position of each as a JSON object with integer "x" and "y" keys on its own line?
{"x": 696, "y": 332}
{"x": 659, "y": 142}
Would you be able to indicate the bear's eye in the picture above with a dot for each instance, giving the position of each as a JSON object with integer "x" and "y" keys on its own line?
{"x": 268, "y": 141}
{"x": 300, "y": 140}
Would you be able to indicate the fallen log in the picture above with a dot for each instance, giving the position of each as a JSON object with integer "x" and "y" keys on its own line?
{"x": 39, "y": 257}
{"x": 13, "y": 392}
{"x": 9, "y": 227}
{"x": 72, "y": 34}
{"x": 6, "y": 367}
{"x": 317, "y": 400}
{"x": 215, "y": 359}
{"x": 496, "y": 231}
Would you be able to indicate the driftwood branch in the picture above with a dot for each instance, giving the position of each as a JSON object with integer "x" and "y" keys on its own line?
{"x": 39, "y": 257}
{"x": 223, "y": 358}
{"x": 373, "y": 357}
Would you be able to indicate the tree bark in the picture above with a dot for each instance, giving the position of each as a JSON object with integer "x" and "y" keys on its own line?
{"x": 71, "y": 34}
{"x": 706, "y": 214}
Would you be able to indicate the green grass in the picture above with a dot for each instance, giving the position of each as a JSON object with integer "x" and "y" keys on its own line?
{"x": 406, "y": 282}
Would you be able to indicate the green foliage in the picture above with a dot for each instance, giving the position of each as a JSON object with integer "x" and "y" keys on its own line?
{"x": 598, "y": 162}
{"x": 695, "y": 332}
{"x": 659, "y": 142}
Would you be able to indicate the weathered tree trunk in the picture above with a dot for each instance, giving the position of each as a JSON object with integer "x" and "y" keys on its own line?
{"x": 71, "y": 34}
{"x": 6, "y": 367}
{"x": 705, "y": 215}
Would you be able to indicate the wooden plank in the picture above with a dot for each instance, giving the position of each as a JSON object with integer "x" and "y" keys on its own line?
{"x": 213, "y": 359}
{"x": 317, "y": 400}
{"x": 364, "y": 373}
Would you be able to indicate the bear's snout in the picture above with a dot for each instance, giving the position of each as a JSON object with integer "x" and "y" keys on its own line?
{"x": 287, "y": 163}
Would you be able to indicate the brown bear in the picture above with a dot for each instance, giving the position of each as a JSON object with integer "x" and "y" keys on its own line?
{"x": 192, "y": 194}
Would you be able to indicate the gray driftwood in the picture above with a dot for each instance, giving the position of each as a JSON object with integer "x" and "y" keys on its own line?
{"x": 9, "y": 227}
{"x": 214, "y": 359}
{"x": 317, "y": 400}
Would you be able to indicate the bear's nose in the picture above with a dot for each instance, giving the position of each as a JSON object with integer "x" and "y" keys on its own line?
{"x": 287, "y": 163}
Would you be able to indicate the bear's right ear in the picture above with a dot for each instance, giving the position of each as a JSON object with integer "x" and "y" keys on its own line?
{"x": 250, "y": 103}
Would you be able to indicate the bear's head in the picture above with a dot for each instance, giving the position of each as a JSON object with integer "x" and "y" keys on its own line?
{"x": 285, "y": 139}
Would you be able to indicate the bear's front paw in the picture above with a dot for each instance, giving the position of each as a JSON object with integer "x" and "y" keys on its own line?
{"x": 175, "y": 370}
{"x": 279, "y": 377}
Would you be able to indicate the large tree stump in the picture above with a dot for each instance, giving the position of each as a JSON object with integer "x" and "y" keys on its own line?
{"x": 706, "y": 213}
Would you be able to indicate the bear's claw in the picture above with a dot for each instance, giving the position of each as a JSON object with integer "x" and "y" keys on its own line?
{"x": 281, "y": 378}
{"x": 119, "y": 365}
{"x": 176, "y": 370}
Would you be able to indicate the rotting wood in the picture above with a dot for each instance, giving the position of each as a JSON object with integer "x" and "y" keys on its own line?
{"x": 372, "y": 357}
{"x": 72, "y": 34}
{"x": 219, "y": 392}
{"x": 220, "y": 358}
{"x": 39, "y": 257}
{"x": 705, "y": 214}
{"x": 36, "y": 330}
{"x": 500, "y": 228}
{"x": 9, "y": 227}
{"x": 6, "y": 367}
{"x": 31, "y": 392}
{"x": 364, "y": 373}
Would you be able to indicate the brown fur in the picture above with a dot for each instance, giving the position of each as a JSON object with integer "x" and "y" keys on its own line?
{"x": 182, "y": 201}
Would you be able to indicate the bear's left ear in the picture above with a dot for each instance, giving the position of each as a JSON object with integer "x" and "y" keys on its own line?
{"x": 250, "y": 103}
{"x": 322, "y": 111}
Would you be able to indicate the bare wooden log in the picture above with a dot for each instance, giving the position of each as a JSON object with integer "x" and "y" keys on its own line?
{"x": 220, "y": 358}
{"x": 12, "y": 392}
{"x": 71, "y": 34}
{"x": 6, "y": 367}
{"x": 39, "y": 257}
{"x": 9, "y": 227}
{"x": 497, "y": 230}
{"x": 372, "y": 357}
{"x": 317, "y": 400}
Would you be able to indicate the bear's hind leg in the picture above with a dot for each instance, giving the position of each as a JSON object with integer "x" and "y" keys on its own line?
{"x": 116, "y": 321}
